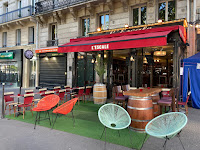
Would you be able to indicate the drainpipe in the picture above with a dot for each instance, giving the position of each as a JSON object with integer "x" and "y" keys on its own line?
{"x": 188, "y": 10}
{"x": 194, "y": 9}
{"x": 37, "y": 59}
{"x": 194, "y": 29}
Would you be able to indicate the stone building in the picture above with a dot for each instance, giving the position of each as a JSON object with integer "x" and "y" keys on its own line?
{"x": 17, "y": 34}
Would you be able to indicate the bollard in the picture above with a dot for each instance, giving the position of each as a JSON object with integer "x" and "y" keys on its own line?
{"x": 3, "y": 112}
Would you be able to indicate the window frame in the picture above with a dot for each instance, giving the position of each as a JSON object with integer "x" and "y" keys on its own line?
{"x": 99, "y": 20}
{"x": 139, "y": 14}
{"x": 31, "y": 29}
{"x": 82, "y": 25}
{"x": 4, "y": 40}
{"x": 18, "y": 39}
{"x": 51, "y": 35}
{"x": 166, "y": 9}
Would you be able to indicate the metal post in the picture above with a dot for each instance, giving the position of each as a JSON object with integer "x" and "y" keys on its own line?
{"x": 3, "y": 112}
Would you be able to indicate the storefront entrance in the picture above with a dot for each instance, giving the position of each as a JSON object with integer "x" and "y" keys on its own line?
{"x": 9, "y": 73}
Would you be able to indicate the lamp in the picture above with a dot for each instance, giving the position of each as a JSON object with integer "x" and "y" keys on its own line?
{"x": 105, "y": 56}
{"x": 98, "y": 29}
{"x": 159, "y": 53}
{"x": 92, "y": 61}
{"x": 132, "y": 59}
{"x": 160, "y": 21}
{"x": 126, "y": 25}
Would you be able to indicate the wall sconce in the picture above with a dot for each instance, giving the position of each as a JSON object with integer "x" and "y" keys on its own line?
{"x": 46, "y": 58}
{"x": 105, "y": 56}
{"x": 126, "y": 25}
{"x": 99, "y": 55}
{"x": 92, "y": 61}
{"x": 98, "y": 29}
{"x": 132, "y": 59}
{"x": 160, "y": 21}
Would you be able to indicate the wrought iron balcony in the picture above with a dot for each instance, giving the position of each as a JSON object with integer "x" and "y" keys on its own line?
{"x": 16, "y": 14}
{"x": 49, "y": 5}
{"x": 52, "y": 43}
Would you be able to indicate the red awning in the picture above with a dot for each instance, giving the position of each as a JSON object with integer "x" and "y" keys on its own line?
{"x": 125, "y": 40}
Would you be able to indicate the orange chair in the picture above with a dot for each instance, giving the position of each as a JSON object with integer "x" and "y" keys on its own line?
{"x": 28, "y": 100}
{"x": 65, "y": 108}
{"x": 44, "y": 105}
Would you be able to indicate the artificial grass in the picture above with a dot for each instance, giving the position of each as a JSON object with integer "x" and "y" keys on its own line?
{"x": 87, "y": 124}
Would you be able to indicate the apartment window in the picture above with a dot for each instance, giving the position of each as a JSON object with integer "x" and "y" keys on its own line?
{"x": 85, "y": 26}
{"x": 104, "y": 22}
{"x": 31, "y": 35}
{"x": 4, "y": 39}
{"x": 18, "y": 37}
{"x": 166, "y": 11}
{"x": 53, "y": 32}
{"x": 139, "y": 16}
{"x": 5, "y": 10}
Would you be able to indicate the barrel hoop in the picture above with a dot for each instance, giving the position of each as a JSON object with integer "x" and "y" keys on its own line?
{"x": 156, "y": 112}
{"x": 136, "y": 120}
{"x": 100, "y": 97}
{"x": 157, "y": 94}
{"x": 138, "y": 129}
{"x": 100, "y": 91}
{"x": 155, "y": 103}
{"x": 140, "y": 108}
{"x": 139, "y": 98}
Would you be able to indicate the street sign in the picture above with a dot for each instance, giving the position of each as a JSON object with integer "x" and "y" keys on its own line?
{"x": 8, "y": 55}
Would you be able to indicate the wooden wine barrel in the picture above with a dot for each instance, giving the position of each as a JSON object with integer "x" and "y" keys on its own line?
{"x": 156, "y": 107}
{"x": 99, "y": 93}
{"x": 140, "y": 110}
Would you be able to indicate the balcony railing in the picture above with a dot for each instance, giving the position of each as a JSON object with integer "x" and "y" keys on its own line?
{"x": 16, "y": 14}
{"x": 49, "y": 5}
{"x": 52, "y": 43}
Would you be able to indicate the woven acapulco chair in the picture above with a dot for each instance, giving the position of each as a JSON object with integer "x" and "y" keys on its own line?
{"x": 167, "y": 126}
{"x": 114, "y": 117}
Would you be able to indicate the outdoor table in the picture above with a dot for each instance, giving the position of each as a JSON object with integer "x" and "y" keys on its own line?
{"x": 140, "y": 107}
{"x": 16, "y": 104}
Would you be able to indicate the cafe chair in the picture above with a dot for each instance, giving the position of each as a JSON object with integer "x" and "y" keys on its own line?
{"x": 56, "y": 89}
{"x": 119, "y": 99}
{"x": 61, "y": 94}
{"x": 45, "y": 105}
{"x": 178, "y": 103}
{"x": 168, "y": 101}
{"x": 28, "y": 102}
{"x": 167, "y": 126}
{"x": 49, "y": 93}
{"x": 8, "y": 99}
{"x": 88, "y": 91}
{"x": 42, "y": 92}
{"x": 64, "y": 109}
{"x": 80, "y": 95}
{"x": 113, "y": 117}
{"x": 165, "y": 92}
{"x": 29, "y": 91}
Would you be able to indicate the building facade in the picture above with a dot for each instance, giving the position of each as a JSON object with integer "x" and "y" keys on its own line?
{"x": 17, "y": 34}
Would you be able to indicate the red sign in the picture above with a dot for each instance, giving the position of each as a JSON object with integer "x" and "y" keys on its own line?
{"x": 47, "y": 50}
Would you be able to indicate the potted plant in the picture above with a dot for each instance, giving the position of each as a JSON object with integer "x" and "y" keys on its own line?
{"x": 99, "y": 91}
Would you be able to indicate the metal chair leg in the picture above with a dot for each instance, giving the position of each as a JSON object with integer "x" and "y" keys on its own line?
{"x": 165, "y": 143}
{"x": 39, "y": 118}
{"x": 73, "y": 119}
{"x": 180, "y": 139}
{"x": 105, "y": 139}
{"x": 36, "y": 120}
{"x": 118, "y": 133}
{"x": 102, "y": 132}
{"x": 54, "y": 121}
{"x": 49, "y": 117}
{"x": 143, "y": 141}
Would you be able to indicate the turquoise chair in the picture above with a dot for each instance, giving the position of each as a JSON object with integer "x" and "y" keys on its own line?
{"x": 167, "y": 126}
{"x": 114, "y": 117}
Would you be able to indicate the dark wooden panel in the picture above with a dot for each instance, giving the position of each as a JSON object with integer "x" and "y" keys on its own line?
{"x": 52, "y": 71}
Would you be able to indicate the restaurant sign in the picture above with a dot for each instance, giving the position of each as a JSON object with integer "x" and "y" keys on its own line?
{"x": 100, "y": 47}
{"x": 8, "y": 55}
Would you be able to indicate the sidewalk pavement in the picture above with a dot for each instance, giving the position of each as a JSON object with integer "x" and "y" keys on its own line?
{"x": 16, "y": 135}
